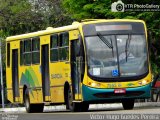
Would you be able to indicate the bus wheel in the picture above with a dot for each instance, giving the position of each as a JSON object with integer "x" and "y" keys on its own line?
{"x": 84, "y": 107}
{"x": 128, "y": 104}
{"x": 31, "y": 108}
{"x": 74, "y": 107}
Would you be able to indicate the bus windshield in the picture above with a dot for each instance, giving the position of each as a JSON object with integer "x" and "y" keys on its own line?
{"x": 126, "y": 57}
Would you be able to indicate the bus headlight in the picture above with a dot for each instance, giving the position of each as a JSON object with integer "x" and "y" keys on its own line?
{"x": 140, "y": 83}
{"x": 144, "y": 82}
{"x": 93, "y": 84}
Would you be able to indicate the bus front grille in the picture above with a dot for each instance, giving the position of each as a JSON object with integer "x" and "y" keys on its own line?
{"x": 113, "y": 95}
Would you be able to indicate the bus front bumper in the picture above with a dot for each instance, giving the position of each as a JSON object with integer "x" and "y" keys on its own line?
{"x": 98, "y": 94}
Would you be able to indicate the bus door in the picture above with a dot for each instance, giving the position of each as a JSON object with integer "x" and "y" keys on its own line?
{"x": 15, "y": 78}
{"x": 45, "y": 72}
{"x": 76, "y": 70}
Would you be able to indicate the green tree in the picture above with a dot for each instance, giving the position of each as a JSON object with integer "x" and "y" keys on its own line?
{"x": 101, "y": 9}
{"x": 24, "y": 16}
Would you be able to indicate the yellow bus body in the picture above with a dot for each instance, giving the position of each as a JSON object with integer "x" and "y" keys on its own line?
{"x": 60, "y": 71}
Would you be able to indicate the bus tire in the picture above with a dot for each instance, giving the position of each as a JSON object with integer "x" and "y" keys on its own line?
{"x": 31, "y": 108}
{"x": 66, "y": 101}
{"x": 74, "y": 107}
{"x": 84, "y": 107}
{"x": 128, "y": 104}
{"x": 66, "y": 87}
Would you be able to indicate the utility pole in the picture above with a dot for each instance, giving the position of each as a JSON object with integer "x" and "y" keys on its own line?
{"x": 1, "y": 74}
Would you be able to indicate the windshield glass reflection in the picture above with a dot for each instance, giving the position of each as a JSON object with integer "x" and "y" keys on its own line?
{"x": 130, "y": 50}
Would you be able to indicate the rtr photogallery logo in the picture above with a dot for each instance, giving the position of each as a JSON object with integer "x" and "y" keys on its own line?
{"x": 117, "y": 6}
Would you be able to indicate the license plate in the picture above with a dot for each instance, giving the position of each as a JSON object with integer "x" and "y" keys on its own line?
{"x": 117, "y": 91}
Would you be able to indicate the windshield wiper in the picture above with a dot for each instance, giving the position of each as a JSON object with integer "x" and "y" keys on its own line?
{"x": 106, "y": 42}
{"x": 127, "y": 46}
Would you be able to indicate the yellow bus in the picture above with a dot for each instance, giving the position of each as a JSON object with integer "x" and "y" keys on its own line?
{"x": 88, "y": 62}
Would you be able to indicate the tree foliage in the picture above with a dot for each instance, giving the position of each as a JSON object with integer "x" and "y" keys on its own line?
{"x": 101, "y": 9}
{"x": 24, "y": 16}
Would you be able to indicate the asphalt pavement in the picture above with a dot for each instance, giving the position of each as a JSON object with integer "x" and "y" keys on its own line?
{"x": 141, "y": 111}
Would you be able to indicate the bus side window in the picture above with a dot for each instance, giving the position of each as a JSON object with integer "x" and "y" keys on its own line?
{"x": 8, "y": 54}
{"x": 64, "y": 46}
{"x": 36, "y": 50}
{"x": 54, "y": 48}
{"x": 21, "y": 53}
{"x": 27, "y": 52}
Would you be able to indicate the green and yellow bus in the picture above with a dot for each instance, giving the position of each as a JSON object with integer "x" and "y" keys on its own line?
{"x": 88, "y": 62}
